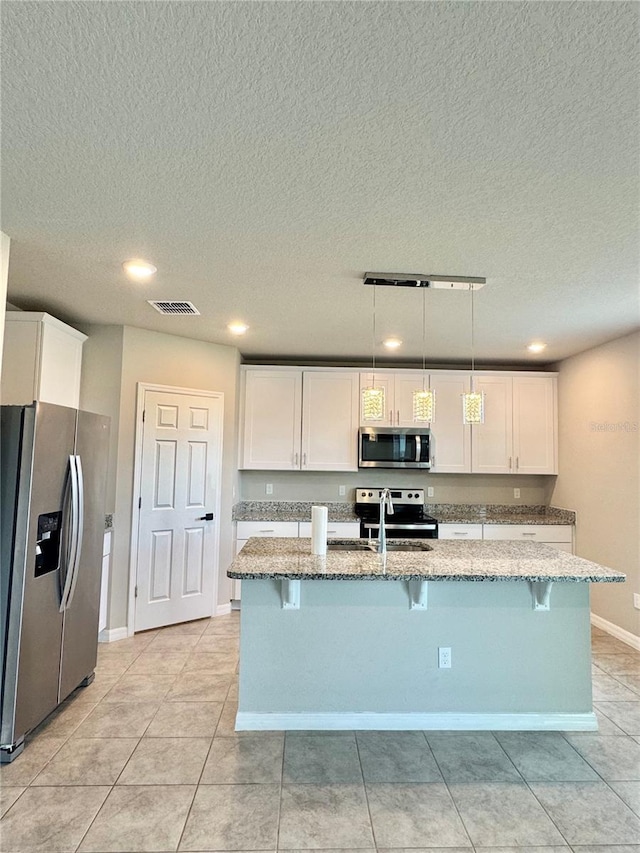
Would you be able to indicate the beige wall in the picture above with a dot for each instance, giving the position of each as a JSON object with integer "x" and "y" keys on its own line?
{"x": 4, "y": 276}
{"x": 100, "y": 388}
{"x": 448, "y": 488}
{"x": 599, "y": 463}
{"x": 125, "y": 357}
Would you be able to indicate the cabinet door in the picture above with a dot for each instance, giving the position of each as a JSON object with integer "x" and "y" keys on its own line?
{"x": 451, "y": 450}
{"x": 534, "y": 425}
{"x": 460, "y": 531}
{"x": 492, "y": 441}
{"x": 330, "y": 421}
{"x": 404, "y": 386}
{"x": 385, "y": 381}
{"x": 272, "y": 411}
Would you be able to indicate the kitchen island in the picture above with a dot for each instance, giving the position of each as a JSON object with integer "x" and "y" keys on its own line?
{"x": 352, "y": 640}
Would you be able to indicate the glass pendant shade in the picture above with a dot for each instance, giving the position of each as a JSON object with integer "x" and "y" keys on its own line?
{"x": 372, "y": 404}
{"x": 473, "y": 407}
{"x": 424, "y": 406}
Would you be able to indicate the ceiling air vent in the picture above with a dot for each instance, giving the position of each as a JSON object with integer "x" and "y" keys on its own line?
{"x": 173, "y": 307}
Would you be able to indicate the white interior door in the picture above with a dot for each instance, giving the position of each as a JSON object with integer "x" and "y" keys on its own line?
{"x": 181, "y": 462}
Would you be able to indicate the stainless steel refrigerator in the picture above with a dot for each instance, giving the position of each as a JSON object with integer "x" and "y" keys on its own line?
{"x": 53, "y": 464}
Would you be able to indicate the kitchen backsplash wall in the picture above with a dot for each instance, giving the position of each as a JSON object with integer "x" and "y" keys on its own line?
{"x": 448, "y": 488}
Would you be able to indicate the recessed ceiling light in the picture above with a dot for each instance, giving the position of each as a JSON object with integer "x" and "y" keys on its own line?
{"x": 536, "y": 347}
{"x": 392, "y": 343}
{"x": 138, "y": 269}
{"x": 237, "y": 328}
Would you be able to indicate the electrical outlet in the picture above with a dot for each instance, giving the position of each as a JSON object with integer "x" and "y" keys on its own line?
{"x": 268, "y": 488}
{"x": 516, "y": 493}
{"x": 636, "y": 600}
{"x": 342, "y": 491}
{"x": 430, "y": 492}
{"x": 444, "y": 657}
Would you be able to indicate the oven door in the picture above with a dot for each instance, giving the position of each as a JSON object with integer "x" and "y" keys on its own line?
{"x": 418, "y": 530}
{"x": 383, "y": 447}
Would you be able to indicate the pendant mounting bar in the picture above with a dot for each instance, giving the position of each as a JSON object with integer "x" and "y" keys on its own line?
{"x": 436, "y": 282}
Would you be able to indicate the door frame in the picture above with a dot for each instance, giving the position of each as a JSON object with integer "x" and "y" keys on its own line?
{"x": 141, "y": 390}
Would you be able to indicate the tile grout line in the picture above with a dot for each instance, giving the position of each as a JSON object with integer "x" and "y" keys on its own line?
{"x": 451, "y": 797}
{"x": 366, "y": 793}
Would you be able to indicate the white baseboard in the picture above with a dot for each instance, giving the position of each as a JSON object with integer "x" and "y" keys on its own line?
{"x": 223, "y": 610}
{"x": 110, "y": 635}
{"x": 619, "y": 633}
{"x": 552, "y": 722}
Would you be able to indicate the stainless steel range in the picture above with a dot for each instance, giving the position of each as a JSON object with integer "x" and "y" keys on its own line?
{"x": 408, "y": 521}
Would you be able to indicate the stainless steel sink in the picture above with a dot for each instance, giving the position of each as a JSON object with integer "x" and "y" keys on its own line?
{"x": 359, "y": 545}
{"x": 408, "y": 546}
{"x": 349, "y": 545}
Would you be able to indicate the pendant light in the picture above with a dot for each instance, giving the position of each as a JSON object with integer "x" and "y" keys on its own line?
{"x": 424, "y": 402}
{"x": 373, "y": 402}
{"x": 472, "y": 401}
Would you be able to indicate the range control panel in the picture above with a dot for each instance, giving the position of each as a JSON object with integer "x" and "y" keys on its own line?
{"x": 401, "y": 496}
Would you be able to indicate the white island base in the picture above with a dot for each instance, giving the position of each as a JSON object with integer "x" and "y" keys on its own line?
{"x": 354, "y": 654}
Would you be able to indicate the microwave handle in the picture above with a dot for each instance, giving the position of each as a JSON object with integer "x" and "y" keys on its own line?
{"x": 418, "y": 448}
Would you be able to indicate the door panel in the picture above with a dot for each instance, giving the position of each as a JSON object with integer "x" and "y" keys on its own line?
{"x": 177, "y": 548}
{"x": 80, "y": 637}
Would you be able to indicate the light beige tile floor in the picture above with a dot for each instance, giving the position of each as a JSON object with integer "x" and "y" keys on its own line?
{"x": 146, "y": 759}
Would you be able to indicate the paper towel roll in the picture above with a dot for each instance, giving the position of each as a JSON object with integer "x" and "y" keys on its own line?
{"x": 319, "y": 520}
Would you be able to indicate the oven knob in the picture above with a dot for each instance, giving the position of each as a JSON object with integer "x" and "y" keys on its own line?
{"x": 370, "y": 494}
{"x": 409, "y": 496}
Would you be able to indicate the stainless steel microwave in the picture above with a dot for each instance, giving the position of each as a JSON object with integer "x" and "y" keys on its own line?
{"x": 393, "y": 447}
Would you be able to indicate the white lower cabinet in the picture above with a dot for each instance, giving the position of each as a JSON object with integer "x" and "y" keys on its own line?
{"x": 459, "y": 531}
{"x": 335, "y": 529}
{"x": 559, "y": 536}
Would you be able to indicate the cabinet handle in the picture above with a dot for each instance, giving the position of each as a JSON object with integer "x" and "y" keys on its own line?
{"x": 517, "y": 462}
{"x": 295, "y": 460}
{"x": 398, "y": 417}
{"x": 529, "y": 534}
{"x": 304, "y": 460}
{"x": 456, "y": 533}
{"x": 390, "y": 417}
{"x": 509, "y": 463}
{"x": 268, "y": 531}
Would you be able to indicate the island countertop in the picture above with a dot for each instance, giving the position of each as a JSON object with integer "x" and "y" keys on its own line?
{"x": 448, "y": 560}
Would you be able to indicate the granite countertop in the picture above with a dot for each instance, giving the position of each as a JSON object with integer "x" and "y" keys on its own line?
{"x": 449, "y": 560}
{"x": 444, "y": 513}
{"x": 291, "y": 511}
{"x": 499, "y": 514}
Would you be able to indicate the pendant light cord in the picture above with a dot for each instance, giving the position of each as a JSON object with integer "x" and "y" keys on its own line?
{"x": 424, "y": 338}
{"x": 373, "y": 340}
{"x": 473, "y": 343}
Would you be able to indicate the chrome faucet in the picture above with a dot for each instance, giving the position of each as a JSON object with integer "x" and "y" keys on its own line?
{"x": 385, "y": 503}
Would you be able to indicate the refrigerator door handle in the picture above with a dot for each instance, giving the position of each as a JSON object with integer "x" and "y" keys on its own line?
{"x": 79, "y": 531}
{"x": 73, "y": 534}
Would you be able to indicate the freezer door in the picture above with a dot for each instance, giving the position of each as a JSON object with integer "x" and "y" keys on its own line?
{"x": 80, "y": 634}
{"x": 34, "y": 628}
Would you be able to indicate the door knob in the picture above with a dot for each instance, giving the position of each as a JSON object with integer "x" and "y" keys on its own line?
{"x": 207, "y": 517}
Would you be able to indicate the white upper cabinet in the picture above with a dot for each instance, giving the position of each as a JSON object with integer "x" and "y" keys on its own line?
{"x": 535, "y": 445}
{"x": 492, "y": 441}
{"x": 398, "y": 397}
{"x": 329, "y": 421}
{"x": 272, "y": 413}
{"x": 42, "y": 360}
{"x": 297, "y": 419}
{"x": 300, "y": 420}
{"x": 519, "y": 433}
{"x": 451, "y": 439}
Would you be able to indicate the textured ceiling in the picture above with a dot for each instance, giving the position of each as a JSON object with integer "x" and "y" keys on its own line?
{"x": 265, "y": 155}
